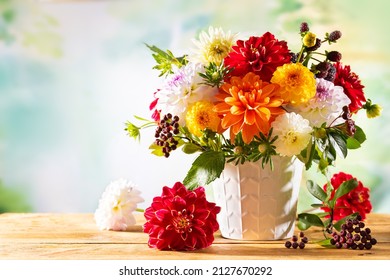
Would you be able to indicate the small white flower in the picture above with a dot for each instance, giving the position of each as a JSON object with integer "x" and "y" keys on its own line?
{"x": 294, "y": 133}
{"x": 325, "y": 106}
{"x": 212, "y": 47}
{"x": 116, "y": 206}
{"x": 181, "y": 89}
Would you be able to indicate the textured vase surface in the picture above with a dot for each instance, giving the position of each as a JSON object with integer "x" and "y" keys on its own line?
{"x": 257, "y": 203}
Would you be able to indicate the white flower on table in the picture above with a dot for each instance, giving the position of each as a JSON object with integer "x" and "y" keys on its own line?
{"x": 116, "y": 206}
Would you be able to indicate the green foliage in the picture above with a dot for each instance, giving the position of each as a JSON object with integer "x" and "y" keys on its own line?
{"x": 165, "y": 60}
{"x": 329, "y": 142}
{"x": 12, "y": 201}
{"x": 207, "y": 167}
{"x": 306, "y": 220}
{"x": 325, "y": 219}
{"x": 214, "y": 75}
{"x": 316, "y": 191}
{"x": 261, "y": 148}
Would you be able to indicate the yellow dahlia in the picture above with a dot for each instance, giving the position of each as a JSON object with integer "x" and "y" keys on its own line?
{"x": 201, "y": 116}
{"x": 248, "y": 105}
{"x": 297, "y": 83}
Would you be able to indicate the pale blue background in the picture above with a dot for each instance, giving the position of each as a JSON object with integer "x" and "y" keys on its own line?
{"x": 72, "y": 73}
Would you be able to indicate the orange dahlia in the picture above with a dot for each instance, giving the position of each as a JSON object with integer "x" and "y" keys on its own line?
{"x": 248, "y": 105}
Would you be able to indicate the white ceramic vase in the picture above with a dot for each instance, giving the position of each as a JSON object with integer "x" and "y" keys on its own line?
{"x": 257, "y": 203}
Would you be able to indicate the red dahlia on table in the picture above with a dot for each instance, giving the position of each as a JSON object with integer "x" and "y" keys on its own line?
{"x": 181, "y": 219}
{"x": 356, "y": 201}
{"x": 260, "y": 55}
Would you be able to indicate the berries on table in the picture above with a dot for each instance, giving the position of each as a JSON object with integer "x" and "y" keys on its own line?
{"x": 296, "y": 243}
{"x": 353, "y": 235}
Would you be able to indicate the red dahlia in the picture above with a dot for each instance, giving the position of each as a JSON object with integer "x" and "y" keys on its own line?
{"x": 351, "y": 84}
{"x": 261, "y": 55}
{"x": 180, "y": 219}
{"x": 358, "y": 200}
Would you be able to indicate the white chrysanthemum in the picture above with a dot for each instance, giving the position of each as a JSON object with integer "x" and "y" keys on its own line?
{"x": 213, "y": 46}
{"x": 182, "y": 89}
{"x": 294, "y": 133}
{"x": 325, "y": 106}
{"x": 116, "y": 206}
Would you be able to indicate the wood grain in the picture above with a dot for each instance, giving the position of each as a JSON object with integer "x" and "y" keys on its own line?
{"x": 75, "y": 236}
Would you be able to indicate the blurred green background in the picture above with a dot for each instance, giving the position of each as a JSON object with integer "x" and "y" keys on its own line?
{"x": 72, "y": 73}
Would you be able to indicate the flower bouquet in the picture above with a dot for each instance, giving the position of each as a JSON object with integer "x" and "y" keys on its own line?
{"x": 254, "y": 100}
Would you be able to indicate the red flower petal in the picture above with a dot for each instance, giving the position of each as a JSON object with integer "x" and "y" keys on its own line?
{"x": 352, "y": 86}
{"x": 184, "y": 220}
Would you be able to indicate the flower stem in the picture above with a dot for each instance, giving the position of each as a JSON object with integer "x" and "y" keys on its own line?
{"x": 300, "y": 53}
{"x": 139, "y": 210}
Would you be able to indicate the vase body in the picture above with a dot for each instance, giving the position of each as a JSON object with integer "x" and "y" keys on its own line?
{"x": 257, "y": 203}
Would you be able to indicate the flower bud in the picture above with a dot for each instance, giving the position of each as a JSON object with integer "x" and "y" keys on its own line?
{"x": 304, "y": 27}
{"x": 238, "y": 150}
{"x": 374, "y": 111}
{"x": 309, "y": 40}
{"x": 320, "y": 133}
{"x": 334, "y": 36}
{"x": 262, "y": 147}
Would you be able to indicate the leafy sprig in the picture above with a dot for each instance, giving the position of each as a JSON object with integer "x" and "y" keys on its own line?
{"x": 325, "y": 220}
{"x": 214, "y": 75}
{"x": 166, "y": 60}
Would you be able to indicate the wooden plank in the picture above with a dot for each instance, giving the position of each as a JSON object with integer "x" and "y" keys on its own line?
{"x": 75, "y": 236}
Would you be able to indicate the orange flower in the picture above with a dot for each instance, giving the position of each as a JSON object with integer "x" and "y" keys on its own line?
{"x": 248, "y": 105}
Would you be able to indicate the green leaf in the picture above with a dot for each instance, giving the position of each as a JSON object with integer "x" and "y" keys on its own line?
{"x": 325, "y": 243}
{"x": 357, "y": 139}
{"x": 156, "y": 150}
{"x": 340, "y": 141}
{"x": 165, "y": 60}
{"x": 316, "y": 205}
{"x": 352, "y": 143}
{"x": 345, "y": 188}
{"x": 359, "y": 135}
{"x": 306, "y": 220}
{"x": 316, "y": 190}
{"x": 207, "y": 167}
{"x": 190, "y": 148}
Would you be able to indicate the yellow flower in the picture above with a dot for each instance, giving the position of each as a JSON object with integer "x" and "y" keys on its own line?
{"x": 297, "y": 83}
{"x": 201, "y": 116}
{"x": 309, "y": 40}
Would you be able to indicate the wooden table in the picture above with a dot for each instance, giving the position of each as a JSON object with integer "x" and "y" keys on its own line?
{"x": 76, "y": 237}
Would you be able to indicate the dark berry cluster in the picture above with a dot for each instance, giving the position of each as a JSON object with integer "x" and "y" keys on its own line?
{"x": 294, "y": 241}
{"x": 167, "y": 128}
{"x": 353, "y": 235}
{"x": 325, "y": 70}
{"x": 349, "y": 123}
{"x": 334, "y": 36}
